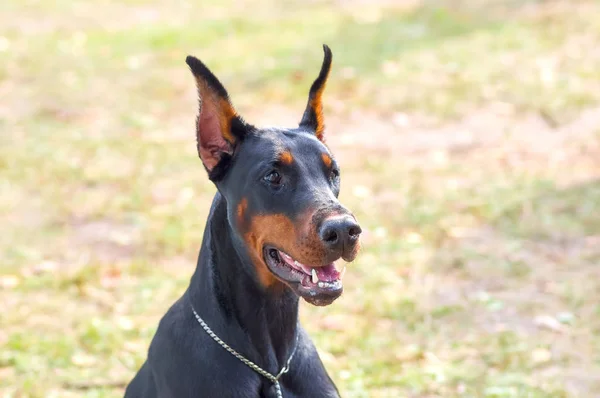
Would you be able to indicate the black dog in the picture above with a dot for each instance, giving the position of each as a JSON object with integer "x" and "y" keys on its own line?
{"x": 274, "y": 230}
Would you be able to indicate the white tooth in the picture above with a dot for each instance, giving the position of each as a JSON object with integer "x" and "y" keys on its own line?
{"x": 342, "y": 273}
{"x": 296, "y": 262}
{"x": 315, "y": 277}
{"x": 321, "y": 284}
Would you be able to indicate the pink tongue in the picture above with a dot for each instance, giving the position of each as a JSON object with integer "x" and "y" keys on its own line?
{"x": 328, "y": 273}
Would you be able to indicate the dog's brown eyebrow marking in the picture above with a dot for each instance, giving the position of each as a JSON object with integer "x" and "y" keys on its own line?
{"x": 286, "y": 158}
{"x": 326, "y": 159}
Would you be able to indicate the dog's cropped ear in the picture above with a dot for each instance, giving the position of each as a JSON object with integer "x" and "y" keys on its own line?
{"x": 218, "y": 127}
{"x": 313, "y": 115}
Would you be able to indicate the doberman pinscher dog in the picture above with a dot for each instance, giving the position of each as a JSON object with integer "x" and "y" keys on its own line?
{"x": 273, "y": 233}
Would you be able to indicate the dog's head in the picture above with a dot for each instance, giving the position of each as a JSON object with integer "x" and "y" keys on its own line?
{"x": 281, "y": 186}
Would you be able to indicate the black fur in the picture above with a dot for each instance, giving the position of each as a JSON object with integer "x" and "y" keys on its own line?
{"x": 309, "y": 119}
{"x": 200, "y": 70}
{"x": 219, "y": 171}
{"x": 260, "y": 322}
{"x": 183, "y": 360}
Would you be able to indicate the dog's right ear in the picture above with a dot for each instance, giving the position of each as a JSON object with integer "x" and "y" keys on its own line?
{"x": 218, "y": 127}
{"x": 313, "y": 115}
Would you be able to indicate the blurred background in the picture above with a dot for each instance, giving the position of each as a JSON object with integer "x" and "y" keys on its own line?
{"x": 468, "y": 134}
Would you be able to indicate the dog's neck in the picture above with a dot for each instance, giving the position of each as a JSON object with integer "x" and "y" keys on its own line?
{"x": 259, "y": 323}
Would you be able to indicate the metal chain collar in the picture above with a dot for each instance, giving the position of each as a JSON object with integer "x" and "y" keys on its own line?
{"x": 247, "y": 362}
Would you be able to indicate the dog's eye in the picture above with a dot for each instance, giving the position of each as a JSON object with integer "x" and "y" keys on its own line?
{"x": 335, "y": 174}
{"x": 273, "y": 178}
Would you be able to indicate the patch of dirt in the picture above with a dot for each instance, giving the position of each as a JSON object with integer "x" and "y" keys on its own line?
{"x": 495, "y": 128}
{"x": 105, "y": 240}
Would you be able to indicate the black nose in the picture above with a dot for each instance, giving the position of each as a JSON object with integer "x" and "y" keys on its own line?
{"x": 340, "y": 234}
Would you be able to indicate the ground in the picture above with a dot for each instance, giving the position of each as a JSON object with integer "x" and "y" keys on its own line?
{"x": 470, "y": 150}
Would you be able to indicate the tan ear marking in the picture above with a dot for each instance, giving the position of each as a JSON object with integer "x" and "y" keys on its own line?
{"x": 313, "y": 115}
{"x": 218, "y": 126}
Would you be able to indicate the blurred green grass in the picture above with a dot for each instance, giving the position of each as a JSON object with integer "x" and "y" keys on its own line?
{"x": 479, "y": 275}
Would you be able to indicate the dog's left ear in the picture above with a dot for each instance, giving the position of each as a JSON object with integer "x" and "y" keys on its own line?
{"x": 313, "y": 115}
{"x": 219, "y": 128}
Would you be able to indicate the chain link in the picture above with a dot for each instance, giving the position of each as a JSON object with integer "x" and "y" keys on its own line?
{"x": 247, "y": 362}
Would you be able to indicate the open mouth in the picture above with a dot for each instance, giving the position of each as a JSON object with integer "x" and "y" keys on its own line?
{"x": 319, "y": 285}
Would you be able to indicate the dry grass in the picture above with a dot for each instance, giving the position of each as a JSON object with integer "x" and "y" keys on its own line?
{"x": 468, "y": 137}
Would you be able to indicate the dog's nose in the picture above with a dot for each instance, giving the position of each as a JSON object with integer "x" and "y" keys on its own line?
{"x": 340, "y": 233}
